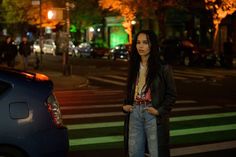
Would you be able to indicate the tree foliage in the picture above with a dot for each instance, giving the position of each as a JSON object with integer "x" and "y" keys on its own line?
{"x": 86, "y": 13}
{"x": 220, "y": 9}
{"x": 138, "y": 9}
{"x": 18, "y": 11}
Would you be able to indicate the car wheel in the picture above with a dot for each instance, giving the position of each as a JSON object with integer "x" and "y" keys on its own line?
{"x": 6, "y": 151}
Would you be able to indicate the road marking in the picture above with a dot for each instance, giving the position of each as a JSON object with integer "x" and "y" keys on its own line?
{"x": 199, "y": 130}
{"x": 88, "y": 101}
{"x": 186, "y": 102}
{"x": 196, "y": 108}
{"x": 117, "y": 77}
{"x": 199, "y": 73}
{"x": 203, "y": 148}
{"x": 92, "y": 115}
{"x": 107, "y": 80}
{"x": 173, "y": 119}
{"x": 88, "y": 91}
{"x": 95, "y": 140}
{"x": 90, "y": 106}
{"x": 95, "y": 125}
{"x": 204, "y": 116}
{"x": 65, "y": 107}
{"x": 179, "y": 132}
{"x": 192, "y": 76}
{"x": 180, "y": 78}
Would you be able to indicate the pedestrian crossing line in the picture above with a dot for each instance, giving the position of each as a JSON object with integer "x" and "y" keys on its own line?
{"x": 204, "y": 116}
{"x": 117, "y": 77}
{"x": 95, "y": 140}
{"x": 95, "y": 125}
{"x": 172, "y": 119}
{"x": 199, "y": 73}
{"x": 90, "y": 106}
{"x": 202, "y": 148}
{"x": 122, "y": 79}
{"x": 192, "y": 76}
{"x": 119, "y": 105}
{"x": 88, "y": 91}
{"x": 107, "y": 80}
{"x": 180, "y": 78}
{"x": 88, "y": 101}
{"x": 178, "y": 75}
{"x": 92, "y": 115}
{"x": 173, "y": 133}
{"x": 110, "y": 114}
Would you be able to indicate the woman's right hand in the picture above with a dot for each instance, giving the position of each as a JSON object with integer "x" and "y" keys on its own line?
{"x": 127, "y": 108}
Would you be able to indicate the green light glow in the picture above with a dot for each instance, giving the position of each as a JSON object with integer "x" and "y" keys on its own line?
{"x": 96, "y": 140}
{"x": 180, "y": 132}
{"x": 73, "y": 28}
{"x": 95, "y": 125}
{"x": 174, "y": 119}
{"x": 118, "y": 36}
{"x": 206, "y": 116}
{"x": 173, "y": 133}
{"x": 199, "y": 130}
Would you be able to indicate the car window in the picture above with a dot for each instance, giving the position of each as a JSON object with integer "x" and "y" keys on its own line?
{"x": 3, "y": 87}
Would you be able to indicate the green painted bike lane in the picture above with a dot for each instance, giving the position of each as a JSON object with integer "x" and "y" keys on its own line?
{"x": 185, "y": 130}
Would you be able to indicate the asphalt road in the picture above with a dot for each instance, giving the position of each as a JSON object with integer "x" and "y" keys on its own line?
{"x": 202, "y": 121}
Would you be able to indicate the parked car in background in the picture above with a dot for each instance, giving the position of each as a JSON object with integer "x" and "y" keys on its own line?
{"x": 73, "y": 50}
{"x": 85, "y": 49}
{"x": 48, "y": 46}
{"x": 121, "y": 51}
{"x": 185, "y": 52}
{"x": 99, "y": 51}
{"x": 31, "y": 122}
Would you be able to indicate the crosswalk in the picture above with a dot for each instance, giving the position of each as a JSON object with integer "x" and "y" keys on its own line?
{"x": 95, "y": 121}
{"x": 190, "y": 75}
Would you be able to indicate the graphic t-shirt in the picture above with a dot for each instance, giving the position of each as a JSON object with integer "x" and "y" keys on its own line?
{"x": 141, "y": 86}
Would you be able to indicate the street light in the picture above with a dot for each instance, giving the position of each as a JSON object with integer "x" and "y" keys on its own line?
{"x": 50, "y": 14}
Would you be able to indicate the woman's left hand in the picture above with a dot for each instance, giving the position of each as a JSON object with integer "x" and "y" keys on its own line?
{"x": 152, "y": 111}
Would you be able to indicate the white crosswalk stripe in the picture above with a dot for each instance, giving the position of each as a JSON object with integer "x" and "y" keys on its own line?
{"x": 110, "y": 110}
{"x": 191, "y": 75}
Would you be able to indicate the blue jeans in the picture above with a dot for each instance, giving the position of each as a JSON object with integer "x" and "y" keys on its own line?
{"x": 142, "y": 128}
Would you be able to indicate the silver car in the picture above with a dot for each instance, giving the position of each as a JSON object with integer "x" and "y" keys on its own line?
{"x": 48, "y": 47}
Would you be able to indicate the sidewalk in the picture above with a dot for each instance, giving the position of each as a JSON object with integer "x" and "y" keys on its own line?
{"x": 60, "y": 81}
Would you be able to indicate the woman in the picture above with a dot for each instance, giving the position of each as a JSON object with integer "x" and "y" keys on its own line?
{"x": 150, "y": 95}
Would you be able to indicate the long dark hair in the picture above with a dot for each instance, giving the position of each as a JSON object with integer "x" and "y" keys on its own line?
{"x": 153, "y": 60}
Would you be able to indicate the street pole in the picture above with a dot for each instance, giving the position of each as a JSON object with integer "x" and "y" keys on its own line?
{"x": 38, "y": 61}
{"x": 66, "y": 66}
{"x": 40, "y": 36}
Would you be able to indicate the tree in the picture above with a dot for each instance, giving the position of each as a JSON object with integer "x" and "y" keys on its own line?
{"x": 126, "y": 8}
{"x": 220, "y": 9}
{"x": 23, "y": 12}
{"x": 139, "y": 9}
{"x": 86, "y": 13}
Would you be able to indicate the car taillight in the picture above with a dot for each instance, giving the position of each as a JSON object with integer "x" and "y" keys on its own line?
{"x": 54, "y": 110}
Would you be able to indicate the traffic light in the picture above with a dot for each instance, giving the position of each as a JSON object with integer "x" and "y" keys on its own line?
{"x": 51, "y": 14}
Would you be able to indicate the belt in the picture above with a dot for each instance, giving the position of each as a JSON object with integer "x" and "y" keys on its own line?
{"x": 142, "y": 102}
